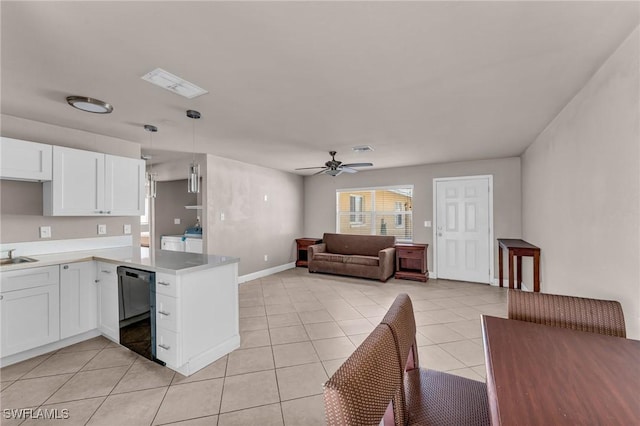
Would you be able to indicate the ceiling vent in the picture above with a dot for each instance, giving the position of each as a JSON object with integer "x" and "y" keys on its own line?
{"x": 173, "y": 83}
{"x": 362, "y": 148}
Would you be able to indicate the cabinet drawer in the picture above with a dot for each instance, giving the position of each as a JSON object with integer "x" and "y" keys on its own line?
{"x": 411, "y": 253}
{"x": 166, "y": 284}
{"x": 30, "y": 278}
{"x": 167, "y": 348}
{"x": 167, "y": 312}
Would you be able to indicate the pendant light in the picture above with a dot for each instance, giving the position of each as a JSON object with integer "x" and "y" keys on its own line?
{"x": 193, "y": 181}
{"x": 151, "y": 177}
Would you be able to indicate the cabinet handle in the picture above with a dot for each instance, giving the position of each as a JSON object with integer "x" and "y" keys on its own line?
{"x": 166, "y": 348}
{"x": 65, "y": 267}
{"x": 99, "y": 211}
{"x": 105, "y": 271}
{"x": 108, "y": 212}
{"x": 164, "y": 283}
{"x": 166, "y": 314}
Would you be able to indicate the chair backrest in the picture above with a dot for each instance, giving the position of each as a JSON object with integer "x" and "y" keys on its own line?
{"x": 402, "y": 323}
{"x": 360, "y": 391}
{"x": 577, "y": 313}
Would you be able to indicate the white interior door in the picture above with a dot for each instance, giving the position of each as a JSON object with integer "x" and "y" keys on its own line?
{"x": 462, "y": 231}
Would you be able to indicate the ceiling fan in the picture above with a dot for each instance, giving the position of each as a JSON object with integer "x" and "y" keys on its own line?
{"x": 335, "y": 167}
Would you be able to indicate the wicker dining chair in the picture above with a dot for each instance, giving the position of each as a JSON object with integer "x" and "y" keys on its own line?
{"x": 363, "y": 390}
{"x": 577, "y": 313}
{"x": 432, "y": 397}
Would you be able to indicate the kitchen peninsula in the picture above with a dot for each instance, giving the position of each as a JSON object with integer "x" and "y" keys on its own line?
{"x": 64, "y": 298}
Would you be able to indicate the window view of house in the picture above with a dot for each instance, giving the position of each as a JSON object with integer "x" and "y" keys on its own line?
{"x": 376, "y": 211}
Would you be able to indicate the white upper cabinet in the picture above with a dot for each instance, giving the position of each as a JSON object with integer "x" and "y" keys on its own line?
{"x": 124, "y": 185}
{"x": 88, "y": 183}
{"x": 23, "y": 160}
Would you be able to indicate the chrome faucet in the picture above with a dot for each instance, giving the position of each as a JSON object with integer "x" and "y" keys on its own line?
{"x": 10, "y": 251}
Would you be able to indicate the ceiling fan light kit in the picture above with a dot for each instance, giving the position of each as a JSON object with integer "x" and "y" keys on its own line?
{"x": 334, "y": 167}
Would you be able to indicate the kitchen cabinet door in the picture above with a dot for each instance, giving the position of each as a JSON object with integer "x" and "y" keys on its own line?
{"x": 24, "y": 160}
{"x": 108, "y": 305}
{"x": 124, "y": 186}
{"x": 78, "y": 298}
{"x": 77, "y": 188}
{"x": 29, "y": 309}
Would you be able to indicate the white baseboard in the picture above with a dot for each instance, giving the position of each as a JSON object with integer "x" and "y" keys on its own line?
{"x": 505, "y": 284}
{"x": 35, "y": 248}
{"x": 21, "y": 356}
{"x": 265, "y": 272}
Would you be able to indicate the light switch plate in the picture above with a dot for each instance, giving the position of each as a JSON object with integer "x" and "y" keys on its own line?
{"x": 266, "y": 197}
{"x": 176, "y": 221}
{"x": 102, "y": 229}
{"x": 127, "y": 229}
{"x": 45, "y": 232}
{"x": 221, "y": 216}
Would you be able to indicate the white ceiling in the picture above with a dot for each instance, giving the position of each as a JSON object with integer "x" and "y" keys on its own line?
{"x": 421, "y": 82}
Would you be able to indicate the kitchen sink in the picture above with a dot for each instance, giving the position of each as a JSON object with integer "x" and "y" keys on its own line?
{"x": 17, "y": 260}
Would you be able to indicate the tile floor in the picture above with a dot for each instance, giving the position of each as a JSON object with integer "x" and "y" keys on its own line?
{"x": 296, "y": 328}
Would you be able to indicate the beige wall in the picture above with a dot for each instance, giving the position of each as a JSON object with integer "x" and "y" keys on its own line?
{"x": 252, "y": 227}
{"x": 21, "y": 202}
{"x": 320, "y": 195}
{"x": 581, "y": 189}
{"x": 171, "y": 198}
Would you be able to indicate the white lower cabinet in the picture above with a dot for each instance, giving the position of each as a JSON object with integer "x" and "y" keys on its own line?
{"x": 78, "y": 298}
{"x": 108, "y": 308}
{"x": 29, "y": 309}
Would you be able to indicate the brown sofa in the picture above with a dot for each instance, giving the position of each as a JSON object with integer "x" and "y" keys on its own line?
{"x": 366, "y": 256}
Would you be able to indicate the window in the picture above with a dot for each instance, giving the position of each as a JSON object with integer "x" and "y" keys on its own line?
{"x": 355, "y": 208}
{"x": 376, "y": 211}
{"x": 399, "y": 217}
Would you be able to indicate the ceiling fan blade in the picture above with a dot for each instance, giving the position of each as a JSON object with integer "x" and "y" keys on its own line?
{"x": 348, "y": 169}
{"x": 320, "y": 172}
{"x": 358, "y": 165}
{"x": 308, "y": 168}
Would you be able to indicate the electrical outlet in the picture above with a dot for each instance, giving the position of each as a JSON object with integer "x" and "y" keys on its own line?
{"x": 266, "y": 258}
{"x": 102, "y": 229}
{"x": 176, "y": 221}
{"x": 221, "y": 216}
{"x": 127, "y": 229}
{"x": 266, "y": 197}
{"x": 427, "y": 224}
{"x": 45, "y": 232}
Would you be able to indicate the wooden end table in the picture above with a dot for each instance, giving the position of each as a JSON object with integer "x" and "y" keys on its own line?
{"x": 411, "y": 262}
{"x": 518, "y": 248}
{"x": 301, "y": 249}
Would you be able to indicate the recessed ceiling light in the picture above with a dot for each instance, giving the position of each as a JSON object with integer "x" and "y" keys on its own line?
{"x": 362, "y": 148}
{"x": 173, "y": 83}
{"x": 84, "y": 103}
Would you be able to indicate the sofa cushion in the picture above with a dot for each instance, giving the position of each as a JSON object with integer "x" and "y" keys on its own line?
{"x": 329, "y": 257}
{"x": 362, "y": 260}
{"x": 366, "y": 245}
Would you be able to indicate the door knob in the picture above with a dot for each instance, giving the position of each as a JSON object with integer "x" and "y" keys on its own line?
{"x": 439, "y": 234}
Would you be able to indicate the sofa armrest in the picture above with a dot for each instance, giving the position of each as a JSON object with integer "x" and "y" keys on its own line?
{"x": 387, "y": 262}
{"x": 316, "y": 248}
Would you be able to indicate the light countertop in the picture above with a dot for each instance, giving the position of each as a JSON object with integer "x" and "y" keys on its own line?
{"x": 170, "y": 262}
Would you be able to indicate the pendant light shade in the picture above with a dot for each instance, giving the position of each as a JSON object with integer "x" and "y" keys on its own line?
{"x": 150, "y": 181}
{"x": 193, "y": 179}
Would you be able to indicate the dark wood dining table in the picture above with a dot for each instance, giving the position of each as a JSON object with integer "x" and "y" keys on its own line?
{"x": 543, "y": 375}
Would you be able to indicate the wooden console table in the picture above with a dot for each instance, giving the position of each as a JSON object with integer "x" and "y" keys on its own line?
{"x": 519, "y": 248}
{"x": 302, "y": 244}
{"x": 411, "y": 262}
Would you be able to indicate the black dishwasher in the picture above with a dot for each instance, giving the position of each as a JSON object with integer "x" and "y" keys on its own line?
{"x": 137, "y": 305}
